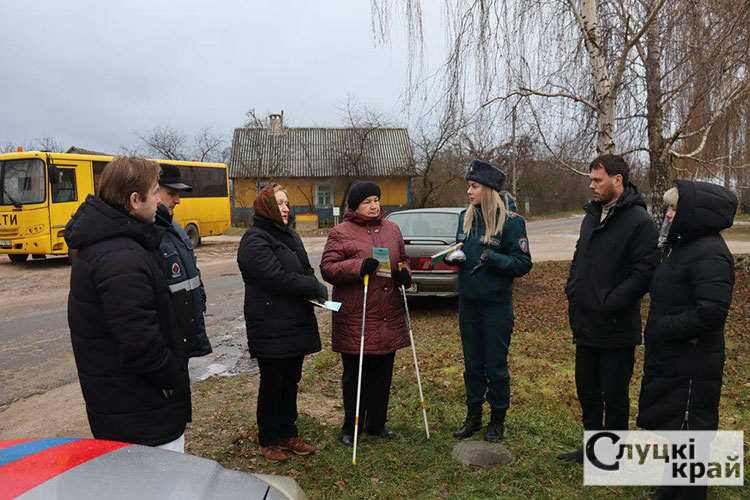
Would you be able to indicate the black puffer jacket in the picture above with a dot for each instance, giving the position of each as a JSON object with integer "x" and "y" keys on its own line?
{"x": 126, "y": 341}
{"x": 611, "y": 271}
{"x": 690, "y": 297}
{"x": 278, "y": 278}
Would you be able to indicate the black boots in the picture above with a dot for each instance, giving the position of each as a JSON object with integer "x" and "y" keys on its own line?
{"x": 496, "y": 428}
{"x": 472, "y": 423}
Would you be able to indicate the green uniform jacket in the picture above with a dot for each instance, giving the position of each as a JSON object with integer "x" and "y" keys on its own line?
{"x": 509, "y": 258}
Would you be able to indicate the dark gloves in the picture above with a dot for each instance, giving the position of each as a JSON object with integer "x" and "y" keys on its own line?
{"x": 368, "y": 266}
{"x": 482, "y": 262}
{"x": 322, "y": 294}
{"x": 403, "y": 278}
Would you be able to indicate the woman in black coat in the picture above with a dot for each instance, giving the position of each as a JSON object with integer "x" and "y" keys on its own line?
{"x": 281, "y": 324}
{"x": 691, "y": 292}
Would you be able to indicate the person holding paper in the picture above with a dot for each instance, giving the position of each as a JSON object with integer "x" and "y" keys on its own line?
{"x": 495, "y": 251}
{"x": 281, "y": 323}
{"x": 348, "y": 256}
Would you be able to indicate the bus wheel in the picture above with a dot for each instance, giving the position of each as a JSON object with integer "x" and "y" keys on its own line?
{"x": 18, "y": 257}
{"x": 193, "y": 234}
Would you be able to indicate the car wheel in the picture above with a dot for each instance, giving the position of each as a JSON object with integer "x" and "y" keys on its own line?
{"x": 193, "y": 234}
{"x": 18, "y": 257}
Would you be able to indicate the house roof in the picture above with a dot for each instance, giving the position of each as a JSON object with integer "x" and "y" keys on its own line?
{"x": 81, "y": 151}
{"x": 321, "y": 152}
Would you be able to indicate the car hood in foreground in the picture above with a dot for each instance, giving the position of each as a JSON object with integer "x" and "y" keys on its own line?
{"x": 82, "y": 469}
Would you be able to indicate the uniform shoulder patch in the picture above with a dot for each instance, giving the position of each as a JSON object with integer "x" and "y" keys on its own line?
{"x": 176, "y": 271}
{"x": 524, "y": 244}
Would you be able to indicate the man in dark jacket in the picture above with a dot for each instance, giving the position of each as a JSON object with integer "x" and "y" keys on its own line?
{"x": 126, "y": 342}
{"x": 611, "y": 271}
{"x": 179, "y": 266}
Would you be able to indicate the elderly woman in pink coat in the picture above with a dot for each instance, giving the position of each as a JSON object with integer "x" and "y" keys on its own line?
{"x": 347, "y": 258}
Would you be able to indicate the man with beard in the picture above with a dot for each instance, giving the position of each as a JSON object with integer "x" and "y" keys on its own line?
{"x": 611, "y": 271}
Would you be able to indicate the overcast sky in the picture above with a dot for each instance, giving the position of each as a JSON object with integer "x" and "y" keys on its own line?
{"x": 91, "y": 73}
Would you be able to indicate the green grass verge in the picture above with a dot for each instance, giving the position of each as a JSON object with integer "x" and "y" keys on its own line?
{"x": 543, "y": 419}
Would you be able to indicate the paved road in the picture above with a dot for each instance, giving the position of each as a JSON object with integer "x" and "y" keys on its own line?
{"x": 35, "y": 352}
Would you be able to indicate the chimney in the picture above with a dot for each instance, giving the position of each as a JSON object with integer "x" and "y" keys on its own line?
{"x": 276, "y": 123}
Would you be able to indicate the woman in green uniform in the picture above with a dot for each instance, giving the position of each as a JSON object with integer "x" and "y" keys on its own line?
{"x": 495, "y": 251}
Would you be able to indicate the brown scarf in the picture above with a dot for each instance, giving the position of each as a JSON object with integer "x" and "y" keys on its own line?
{"x": 266, "y": 205}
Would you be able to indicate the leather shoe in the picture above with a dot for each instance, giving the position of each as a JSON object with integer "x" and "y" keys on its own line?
{"x": 348, "y": 439}
{"x": 296, "y": 446}
{"x": 573, "y": 456}
{"x": 385, "y": 433}
{"x": 273, "y": 454}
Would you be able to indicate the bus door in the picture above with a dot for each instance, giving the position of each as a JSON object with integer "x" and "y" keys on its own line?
{"x": 70, "y": 182}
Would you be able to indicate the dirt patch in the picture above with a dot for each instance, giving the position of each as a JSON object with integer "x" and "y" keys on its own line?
{"x": 56, "y": 413}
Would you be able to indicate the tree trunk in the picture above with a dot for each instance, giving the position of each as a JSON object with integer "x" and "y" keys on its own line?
{"x": 603, "y": 92}
{"x": 660, "y": 161}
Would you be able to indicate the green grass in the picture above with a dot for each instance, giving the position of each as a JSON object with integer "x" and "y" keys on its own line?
{"x": 543, "y": 419}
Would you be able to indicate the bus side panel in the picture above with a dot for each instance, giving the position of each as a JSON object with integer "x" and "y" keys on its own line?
{"x": 210, "y": 215}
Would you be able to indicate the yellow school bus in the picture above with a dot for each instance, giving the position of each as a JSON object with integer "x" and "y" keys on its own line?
{"x": 40, "y": 191}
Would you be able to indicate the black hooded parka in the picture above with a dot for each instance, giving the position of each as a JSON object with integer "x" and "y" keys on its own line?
{"x": 691, "y": 293}
{"x": 611, "y": 270}
{"x": 278, "y": 279}
{"x": 126, "y": 341}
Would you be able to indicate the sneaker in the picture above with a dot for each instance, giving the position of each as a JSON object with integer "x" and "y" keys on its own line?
{"x": 296, "y": 446}
{"x": 273, "y": 454}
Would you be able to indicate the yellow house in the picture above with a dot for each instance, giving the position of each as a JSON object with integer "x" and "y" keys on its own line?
{"x": 318, "y": 166}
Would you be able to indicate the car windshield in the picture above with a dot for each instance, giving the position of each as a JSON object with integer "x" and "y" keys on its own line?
{"x": 426, "y": 223}
{"x": 22, "y": 181}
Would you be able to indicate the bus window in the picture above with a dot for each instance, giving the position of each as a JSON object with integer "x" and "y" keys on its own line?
{"x": 65, "y": 189}
{"x": 207, "y": 182}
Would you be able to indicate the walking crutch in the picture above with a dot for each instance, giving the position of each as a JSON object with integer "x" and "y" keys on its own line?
{"x": 414, "y": 353}
{"x": 359, "y": 375}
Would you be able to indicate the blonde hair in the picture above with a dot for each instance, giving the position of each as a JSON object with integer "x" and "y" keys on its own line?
{"x": 493, "y": 213}
{"x": 671, "y": 197}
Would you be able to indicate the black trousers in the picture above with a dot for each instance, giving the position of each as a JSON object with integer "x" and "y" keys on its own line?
{"x": 277, "y": 399}
{"x": 377, "y": 371}
{"x": 602, "y": 381}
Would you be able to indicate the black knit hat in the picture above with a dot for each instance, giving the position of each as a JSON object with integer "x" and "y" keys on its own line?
{"x": 486, "y": 174}
{"x": 361, "y": 190}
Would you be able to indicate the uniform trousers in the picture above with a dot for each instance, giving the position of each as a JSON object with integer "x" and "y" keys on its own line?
{"x": 485, "y": 337}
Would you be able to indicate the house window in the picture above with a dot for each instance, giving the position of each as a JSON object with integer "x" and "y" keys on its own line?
{"x": 323, "y": 194}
